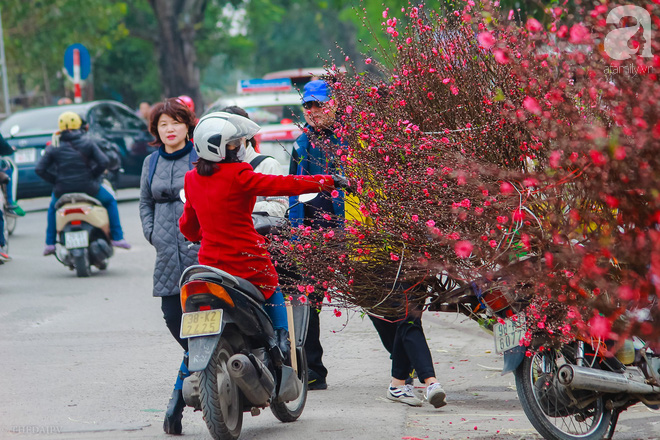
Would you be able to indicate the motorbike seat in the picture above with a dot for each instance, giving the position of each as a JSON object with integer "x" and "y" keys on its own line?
{"x": 251, "y": 290}
{"x": 76, "y": 198}
{"x": 201, "y": 271}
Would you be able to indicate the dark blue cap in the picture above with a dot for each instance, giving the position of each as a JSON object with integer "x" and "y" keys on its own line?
{"x": 316, "y": 90}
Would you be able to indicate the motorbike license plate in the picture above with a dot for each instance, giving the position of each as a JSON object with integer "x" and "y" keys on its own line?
{"x": 78, "y": 239}
{"x": 202, "y": 323}
{"x": 509, "y": 334}
{"x": 25, "y": 155}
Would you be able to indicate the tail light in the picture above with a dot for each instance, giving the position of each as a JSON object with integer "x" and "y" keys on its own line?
{"x": 496, "y": 300}
{"x": 203, "y": 287}
{"x": 83, "y": 211}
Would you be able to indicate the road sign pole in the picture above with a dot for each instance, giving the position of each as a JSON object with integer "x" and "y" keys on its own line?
{"x": 77, "y": 91}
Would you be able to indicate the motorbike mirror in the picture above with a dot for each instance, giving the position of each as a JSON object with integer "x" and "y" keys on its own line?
{"x": 182, "y": 195}
{"x": 305, "y": 198}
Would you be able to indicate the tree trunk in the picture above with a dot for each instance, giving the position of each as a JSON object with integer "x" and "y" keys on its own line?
{"x": 177, "y": 57}
{"x": 47, "y": 95}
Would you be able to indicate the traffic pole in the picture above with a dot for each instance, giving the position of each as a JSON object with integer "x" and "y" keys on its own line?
{"x": 77, "y": 91}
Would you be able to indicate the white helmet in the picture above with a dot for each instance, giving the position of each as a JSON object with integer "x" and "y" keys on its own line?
{"x": 214, "y": 130}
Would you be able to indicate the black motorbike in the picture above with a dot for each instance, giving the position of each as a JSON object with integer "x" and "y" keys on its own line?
{"x": 234, "y": 357}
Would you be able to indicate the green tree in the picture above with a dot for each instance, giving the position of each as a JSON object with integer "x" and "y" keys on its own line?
{"x": 129, "y": 72}
{"x": 37, "y": 33}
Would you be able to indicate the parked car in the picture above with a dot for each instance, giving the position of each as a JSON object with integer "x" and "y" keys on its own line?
{"x": 29, "y": 131}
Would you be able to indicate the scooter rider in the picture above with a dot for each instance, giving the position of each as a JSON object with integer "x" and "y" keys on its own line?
{"x": 75, "y": 164}
{"x": 220, "y": 195}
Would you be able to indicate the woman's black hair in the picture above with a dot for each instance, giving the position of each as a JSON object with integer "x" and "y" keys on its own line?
{"x": 205, "y": 167}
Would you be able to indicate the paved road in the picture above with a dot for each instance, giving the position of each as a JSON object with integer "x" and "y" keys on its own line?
{"x": 92, "y": 359}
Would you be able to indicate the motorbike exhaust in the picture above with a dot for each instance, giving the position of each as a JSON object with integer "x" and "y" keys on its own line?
{"x": 585, "y": 378}
{"x": 252, "y": 377}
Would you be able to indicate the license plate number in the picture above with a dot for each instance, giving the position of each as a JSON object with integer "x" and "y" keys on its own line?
{"x": 509, "y": 334}
{"x": 202, "y": 323}
{"x": 25, "y": 155}
{"x": 74, "y": 240}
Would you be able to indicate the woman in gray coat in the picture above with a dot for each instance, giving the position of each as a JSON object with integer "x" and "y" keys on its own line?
{"x": 160, "y": 208}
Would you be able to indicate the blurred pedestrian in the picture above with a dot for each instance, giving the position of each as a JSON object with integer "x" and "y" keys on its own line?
{"x": 144, "y": 111}
{"x": 163, "y": 171}
{"x": 12, "y": 205}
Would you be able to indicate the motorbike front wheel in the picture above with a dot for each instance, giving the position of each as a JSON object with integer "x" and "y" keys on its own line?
{"x": 290, "y": 411}
{"x": 548, "y": 404}
{"x": 222, "y": 401}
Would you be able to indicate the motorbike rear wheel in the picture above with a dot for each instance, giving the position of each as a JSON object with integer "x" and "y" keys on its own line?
{"x": 81, "y": 263}
{"x": 548, "y": 406}
{"x": 222, "y": 400}
{"x": 290, "y": 411}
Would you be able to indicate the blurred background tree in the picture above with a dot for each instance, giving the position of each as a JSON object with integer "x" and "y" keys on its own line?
{"x": 151, "y": 49}
{"x": 36, "y": 34}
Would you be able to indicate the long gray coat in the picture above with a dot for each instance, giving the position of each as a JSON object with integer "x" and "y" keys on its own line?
{"x": 160, "y": 210}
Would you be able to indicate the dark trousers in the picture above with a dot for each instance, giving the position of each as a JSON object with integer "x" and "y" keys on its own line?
{"x": 313, "y": 348}
{"x": 171, "y": 307}
{"x": 2, "y": 229}
{"x": 404, "y": 339}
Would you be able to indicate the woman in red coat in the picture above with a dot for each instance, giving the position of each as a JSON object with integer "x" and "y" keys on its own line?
{"x": 220, "y": 194}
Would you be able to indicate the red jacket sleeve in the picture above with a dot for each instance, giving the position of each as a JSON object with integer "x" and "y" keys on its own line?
{"x": 189, "y": 223}
{"x": 258, "y": 184}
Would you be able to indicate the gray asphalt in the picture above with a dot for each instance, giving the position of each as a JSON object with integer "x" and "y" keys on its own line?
{"x": 92, "y": 359}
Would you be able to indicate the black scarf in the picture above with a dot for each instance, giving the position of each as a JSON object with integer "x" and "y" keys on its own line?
{"x": 177, "y": 154}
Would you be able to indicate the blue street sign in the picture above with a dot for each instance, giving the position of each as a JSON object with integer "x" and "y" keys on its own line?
{"x": 85, "y": 61}
{"x": 265, "y": 85}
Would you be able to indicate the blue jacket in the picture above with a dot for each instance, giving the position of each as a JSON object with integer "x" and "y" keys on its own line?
{"x": 312, "y": 160}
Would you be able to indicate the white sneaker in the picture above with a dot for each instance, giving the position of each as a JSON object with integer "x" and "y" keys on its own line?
{"x": 435, "y": 395}
{"x": 403, "y": 394}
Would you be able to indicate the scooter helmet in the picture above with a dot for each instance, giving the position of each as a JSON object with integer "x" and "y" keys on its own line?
{"x": 69, "y": 121}
{"x": 215, "y": 130}
{"x": 187, "y": 101}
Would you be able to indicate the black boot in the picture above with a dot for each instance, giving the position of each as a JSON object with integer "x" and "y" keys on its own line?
{"x": 282, "y": 338}
{"x": 174, "y": 413}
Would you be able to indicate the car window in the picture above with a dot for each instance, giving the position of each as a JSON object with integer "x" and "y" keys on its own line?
{"x": 105, "y": 118}
{"x": 129, "y": 121}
